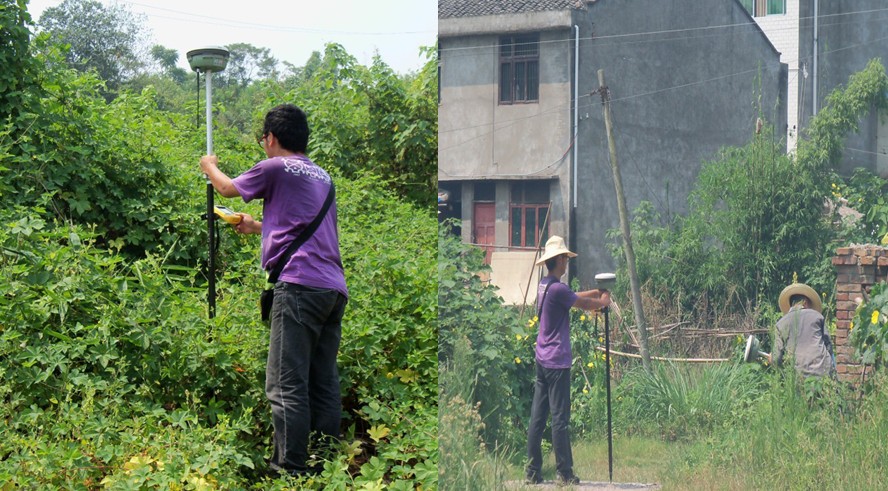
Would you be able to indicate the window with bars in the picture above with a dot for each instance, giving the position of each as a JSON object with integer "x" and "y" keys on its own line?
{"x": 519, "y": 69}
{"x": 527, "y": 213}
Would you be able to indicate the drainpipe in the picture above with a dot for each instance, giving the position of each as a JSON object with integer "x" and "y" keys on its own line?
{"x": 576, "y": 110}
{"x": 816, "y": 51}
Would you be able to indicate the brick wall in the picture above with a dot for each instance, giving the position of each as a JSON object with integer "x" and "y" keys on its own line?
{"x": 858, "y": 268}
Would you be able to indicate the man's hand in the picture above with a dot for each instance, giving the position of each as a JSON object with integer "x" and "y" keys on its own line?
{"x": 592, "y": 300}
{"x": 209, "y": 162}
{"x": 248, "y": 225}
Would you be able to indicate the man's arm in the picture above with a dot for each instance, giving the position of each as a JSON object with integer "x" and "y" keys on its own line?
{"x": 779, "y": 347}
{"x": 210, "y": 166}
{"x": 592, "y": 299}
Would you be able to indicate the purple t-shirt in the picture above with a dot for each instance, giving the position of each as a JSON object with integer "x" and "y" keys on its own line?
{"x": 293, "y": 189}
{"x": 553, "y": 340}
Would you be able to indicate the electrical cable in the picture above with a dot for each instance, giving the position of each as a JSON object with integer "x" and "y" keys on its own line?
{"x": 220, "y": 21}
{"x": 688, "y": 30}
{"x": 554, "y": 109}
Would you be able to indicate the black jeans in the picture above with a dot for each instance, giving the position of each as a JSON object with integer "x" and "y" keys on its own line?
{"x": 551, "y": 393}
{"x": 301, "y": 377}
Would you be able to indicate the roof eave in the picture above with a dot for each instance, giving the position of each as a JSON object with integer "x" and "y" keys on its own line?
{"x": 505, "y": 23}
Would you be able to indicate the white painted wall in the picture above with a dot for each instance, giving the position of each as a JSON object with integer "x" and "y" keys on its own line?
{"x": 783, "y": 32}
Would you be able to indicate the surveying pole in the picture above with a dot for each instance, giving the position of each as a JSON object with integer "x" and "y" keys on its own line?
{"x": 607, "y": 281}
{"x": 208, "y": 60}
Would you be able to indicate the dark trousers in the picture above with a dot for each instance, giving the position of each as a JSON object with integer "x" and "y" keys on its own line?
{"x": 301, "y": 377}
{"x": 551, "y": 393}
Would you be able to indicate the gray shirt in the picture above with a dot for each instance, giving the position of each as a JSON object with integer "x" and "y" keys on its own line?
{"x": 801, "y": 334}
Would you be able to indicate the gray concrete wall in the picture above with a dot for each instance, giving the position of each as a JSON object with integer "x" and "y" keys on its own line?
{"x": 851, "y": 32}
{"x": 477, "y": 136}
{"x": 680, "y": 92}
{"x": 685, "y": 82}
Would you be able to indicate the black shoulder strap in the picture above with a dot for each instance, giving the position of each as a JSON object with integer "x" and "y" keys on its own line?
{"x": 545, "y": 292}
{"x": 306, "y": 234}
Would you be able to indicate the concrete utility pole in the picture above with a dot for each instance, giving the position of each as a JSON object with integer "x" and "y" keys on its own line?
{"x": 624, "y": 227}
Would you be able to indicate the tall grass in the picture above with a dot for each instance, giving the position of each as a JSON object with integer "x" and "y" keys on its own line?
{"x": 679, "y": 402}
{"x": 724, "y": 427}
{"x": 805, "y": 437}
{"x": 465, "y": 462}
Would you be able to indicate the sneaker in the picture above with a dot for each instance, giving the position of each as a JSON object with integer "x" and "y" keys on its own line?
{"x": 568, "y": 480}
{"x": 533, "y": 479}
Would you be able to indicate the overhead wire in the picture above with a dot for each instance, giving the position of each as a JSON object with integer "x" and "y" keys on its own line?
{"x": 220, "y": 21}
{"x": 561, "y": 107}
{"x": 682, "y": 30}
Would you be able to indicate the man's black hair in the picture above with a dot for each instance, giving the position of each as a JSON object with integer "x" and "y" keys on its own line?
{"x": 798, "y": 298}
{"x": 551, "y": 263}
{"x": 289, "y": 125}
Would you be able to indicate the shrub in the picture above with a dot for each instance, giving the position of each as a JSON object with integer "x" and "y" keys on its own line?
{"x": 99, "y": 347}
{"x": 869, "y": 327}
{"x": 470, "y": 311}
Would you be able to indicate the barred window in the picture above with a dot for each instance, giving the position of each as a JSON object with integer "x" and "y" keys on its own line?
{"x": 519, "y": 69}
{"x": 528, "y": 209}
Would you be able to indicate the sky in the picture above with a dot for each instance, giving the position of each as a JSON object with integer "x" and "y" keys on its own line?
{"x": 290, "y": 29}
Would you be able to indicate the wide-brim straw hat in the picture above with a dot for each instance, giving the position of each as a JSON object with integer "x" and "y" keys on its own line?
{"x": 799, "y": 289}
{"x": 554, "y": 247}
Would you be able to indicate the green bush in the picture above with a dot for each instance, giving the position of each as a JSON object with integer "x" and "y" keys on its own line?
{"x": 99, "y": 347}
{"x": 869, "y": 327}
{"x": 755, "y": 221}
{"x": 471, "y": 312}
{"x": 106, "y": 359}
{"x": 112, "y": 375}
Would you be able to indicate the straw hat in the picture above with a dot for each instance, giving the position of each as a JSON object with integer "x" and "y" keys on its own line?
{"x": 554, "y": 247}
{"x": 799, "y": 289}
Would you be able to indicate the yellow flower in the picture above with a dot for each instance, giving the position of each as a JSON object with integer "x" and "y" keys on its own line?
{"x": 590, "y": 365}
{"x": 535, "y": 318}
{"x": 600, "y": 339}
{"x": 518, "y": 337}
{"x": 852, "y": 326}
{"x": 875, "y": 319}
{"x": 834, "y": 185}
{"x": 517, "y": 360}
{"x": 583, "y": 317}
{"x": 585, "y": 390}
{"x": 390, "y": 375}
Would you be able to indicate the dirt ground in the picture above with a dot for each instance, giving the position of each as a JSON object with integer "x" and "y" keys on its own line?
{"x": 599, "y": 486}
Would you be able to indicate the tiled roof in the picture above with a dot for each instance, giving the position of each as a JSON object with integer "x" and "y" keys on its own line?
{"x": 474, "y": 8}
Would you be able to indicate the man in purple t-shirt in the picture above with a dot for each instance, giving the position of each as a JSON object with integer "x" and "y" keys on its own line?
{"x": 301, "y": 377}
{"x": 551, "y": 390}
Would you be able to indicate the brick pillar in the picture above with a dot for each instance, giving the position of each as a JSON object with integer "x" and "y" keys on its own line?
{"x": 858, "y": 268}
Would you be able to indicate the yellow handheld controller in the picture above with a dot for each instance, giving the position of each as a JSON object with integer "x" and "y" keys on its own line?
{"x": 227, "y": 214}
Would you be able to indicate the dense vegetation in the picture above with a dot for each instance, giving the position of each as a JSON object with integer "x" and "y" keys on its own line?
{"x": 756, "y": 215}
{"x": 112, "y": 376}
{"x": 757, "y": 221}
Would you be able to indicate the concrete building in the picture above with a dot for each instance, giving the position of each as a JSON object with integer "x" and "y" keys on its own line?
{"x": 779, "y": 21}
{"x": 523, "y": 152}
{"x": 837, "y": 38}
